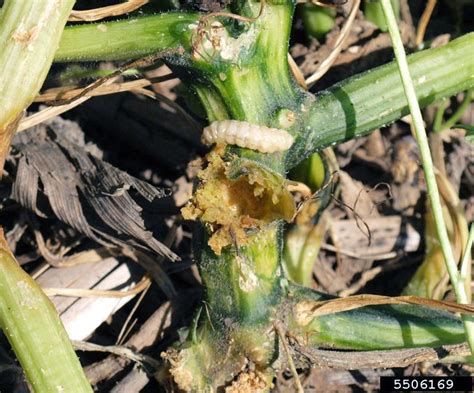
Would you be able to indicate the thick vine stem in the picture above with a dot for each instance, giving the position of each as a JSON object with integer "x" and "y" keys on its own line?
{"x": 369, "y": 328}
{"x": 126, "y": 39}
{"x": 238, "y": 69}
{"x": 29, "y": 35}
{"x": 347, "y": 110}
{"x": 240, "y": 206}
{"x": 34, "y": 330}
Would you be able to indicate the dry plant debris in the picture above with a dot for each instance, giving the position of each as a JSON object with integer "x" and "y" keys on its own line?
{"x": 114, "y": 208}
{"x": 117, "y": 204}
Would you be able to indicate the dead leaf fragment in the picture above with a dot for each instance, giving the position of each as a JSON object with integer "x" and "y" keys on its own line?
{"x": 307, "y": 310}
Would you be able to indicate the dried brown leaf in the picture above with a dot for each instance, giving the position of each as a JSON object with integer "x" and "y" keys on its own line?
{"x": 328, "y": 62}
{"x": 101, "y": 201}
{"x": 306, "y": 310}
{"x": 79, "y": 292}
{"x": 106, "y": 12}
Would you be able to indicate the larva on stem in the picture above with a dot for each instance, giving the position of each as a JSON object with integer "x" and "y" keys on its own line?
{"x": 250, "y": 136}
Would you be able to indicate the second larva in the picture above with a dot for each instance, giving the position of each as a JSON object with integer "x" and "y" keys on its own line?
{"x": 250, "y": 136}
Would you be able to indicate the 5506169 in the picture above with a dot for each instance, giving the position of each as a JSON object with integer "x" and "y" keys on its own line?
{"x": 427, "y": 383}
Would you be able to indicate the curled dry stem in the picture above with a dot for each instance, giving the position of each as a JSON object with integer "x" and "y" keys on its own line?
{"x": 67, "y": 93}
{"x": 201, "y": 31}
{"x": 328, "y": 61}
{"x": 423, "y": 23}
{"x": 105, "y": 83}
{"x": 106, "y": 12}
{"x": 143, "y": 62}
{"x": 291, "y": 364}
{"x": 141, "y": 286}
{"x": 116, "y": 350}
{"x": 306, "y": 310}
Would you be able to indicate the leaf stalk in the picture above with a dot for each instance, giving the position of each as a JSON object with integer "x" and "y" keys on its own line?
{"x": 428, "y": 168}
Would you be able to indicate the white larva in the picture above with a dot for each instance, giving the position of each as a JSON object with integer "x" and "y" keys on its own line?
{"x": 250, "y": 136}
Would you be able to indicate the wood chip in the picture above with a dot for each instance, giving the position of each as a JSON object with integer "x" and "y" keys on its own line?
{"x": 81, "y": 316}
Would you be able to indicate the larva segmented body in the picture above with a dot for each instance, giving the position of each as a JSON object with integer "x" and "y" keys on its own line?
{"x": 250, "y": 136}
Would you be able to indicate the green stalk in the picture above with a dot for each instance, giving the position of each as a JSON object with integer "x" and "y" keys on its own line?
{"x": 373, "y": 13}
{"x": 456, "y": 115}
{"x": 35, "y": 332}
{"x": 438, "y": 119}
{"x": 347, "y": 110}
{"x": 29, "y": 35}
{"x": 376, "y": 98}
{"x": 303, "y": 238}
{"x": 428, "y": 167}
{"x": 374, "y": 327}
{"x": 241, "y": 198}
{"x": 126, "y": 39}
{"x": 244, "y": 281}
{"x": 244, "y": 286}
{"x": 466, "y": 258}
